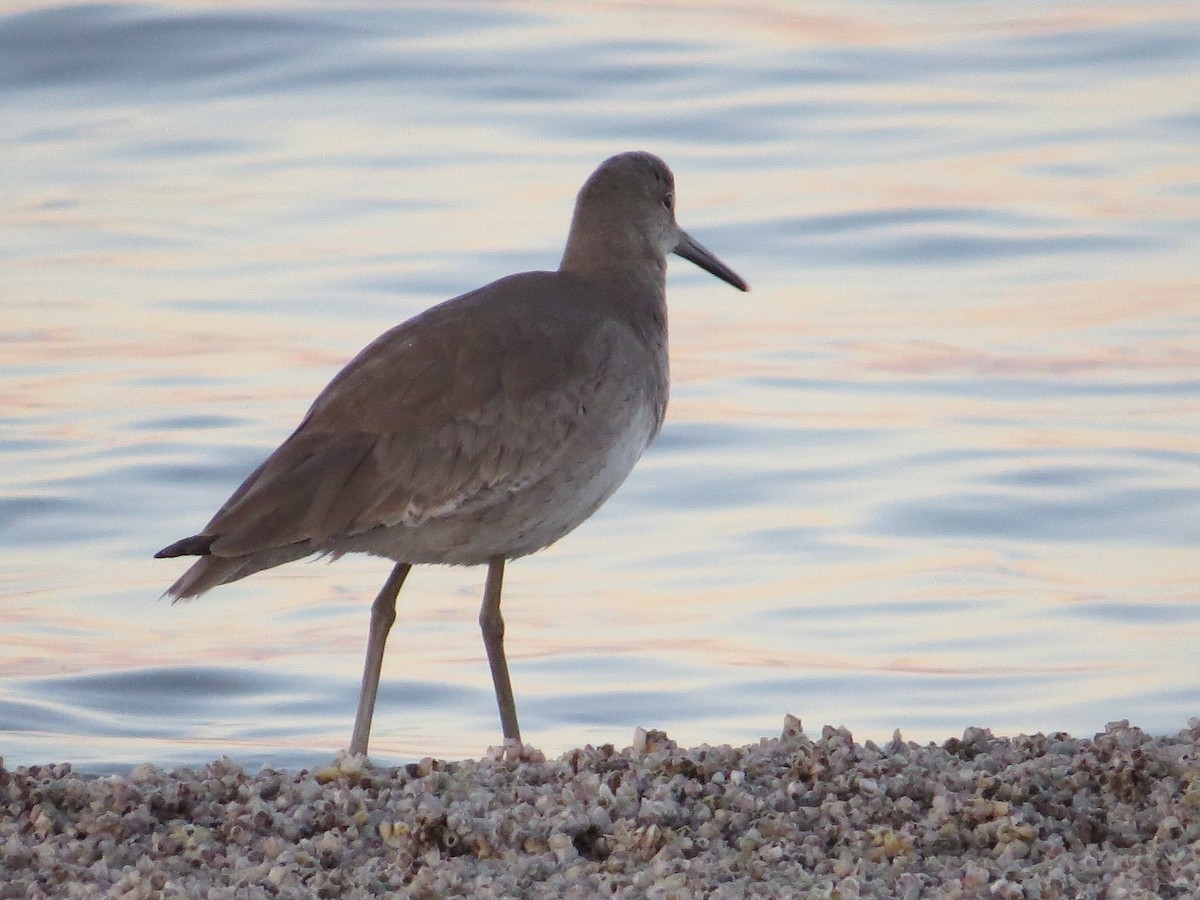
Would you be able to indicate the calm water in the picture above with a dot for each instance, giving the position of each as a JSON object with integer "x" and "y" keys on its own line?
{"x": 940, "y": 468}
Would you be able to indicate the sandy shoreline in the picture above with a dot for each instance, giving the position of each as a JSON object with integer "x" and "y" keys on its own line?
{"x": 1117, "y": 815}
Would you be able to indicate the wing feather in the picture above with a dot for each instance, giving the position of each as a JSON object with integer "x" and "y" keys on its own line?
{"x": 452, "y": 410}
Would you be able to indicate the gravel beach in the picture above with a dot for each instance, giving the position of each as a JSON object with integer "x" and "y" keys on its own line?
{"x": 1047, "y": 816}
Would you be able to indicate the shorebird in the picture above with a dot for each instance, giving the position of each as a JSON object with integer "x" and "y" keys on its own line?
{"x": 481, "y": 430}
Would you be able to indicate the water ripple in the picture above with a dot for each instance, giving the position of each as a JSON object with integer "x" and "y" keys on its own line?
{"x": 938, "y": 468}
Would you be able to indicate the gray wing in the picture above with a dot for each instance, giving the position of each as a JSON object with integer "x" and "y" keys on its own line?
{"x": 456, "y": 408}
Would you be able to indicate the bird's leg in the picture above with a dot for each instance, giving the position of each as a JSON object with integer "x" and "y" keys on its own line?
{"x": 383, "y": 614}
{"x": 492, "y": 626}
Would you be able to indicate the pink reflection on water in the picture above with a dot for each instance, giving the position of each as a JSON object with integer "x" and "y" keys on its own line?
{"x": 933, "y": 358}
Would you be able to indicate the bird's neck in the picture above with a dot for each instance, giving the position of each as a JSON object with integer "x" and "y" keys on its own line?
{"x": 615, "y": 253}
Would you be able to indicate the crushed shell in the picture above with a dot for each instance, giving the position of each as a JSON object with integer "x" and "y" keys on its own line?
{"x": 1042, "y": 816}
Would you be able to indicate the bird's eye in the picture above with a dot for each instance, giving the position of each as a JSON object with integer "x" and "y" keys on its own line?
{"x": 669, "y": 200}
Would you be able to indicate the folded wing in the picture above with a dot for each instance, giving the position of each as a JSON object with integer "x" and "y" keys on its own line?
{"x": 447, "y": 412}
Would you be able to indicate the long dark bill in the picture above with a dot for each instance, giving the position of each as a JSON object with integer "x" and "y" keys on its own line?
{"x": 693, "y": 251}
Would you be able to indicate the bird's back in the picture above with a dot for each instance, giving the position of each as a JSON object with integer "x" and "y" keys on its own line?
{"x": 489, "y": 425}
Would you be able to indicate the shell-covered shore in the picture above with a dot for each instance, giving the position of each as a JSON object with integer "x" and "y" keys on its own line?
{"x": 1043, "y": 816}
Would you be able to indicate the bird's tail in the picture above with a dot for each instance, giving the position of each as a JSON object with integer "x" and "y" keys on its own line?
{"x": 210, "y": 571}
{"x": 205, "y": 573}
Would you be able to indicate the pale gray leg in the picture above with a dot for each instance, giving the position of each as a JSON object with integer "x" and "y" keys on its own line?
{"x": 492, "y": 626}
{"x": 383, "y": 614}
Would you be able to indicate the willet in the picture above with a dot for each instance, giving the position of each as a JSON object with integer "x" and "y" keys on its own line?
{"x": 481, "y": 430}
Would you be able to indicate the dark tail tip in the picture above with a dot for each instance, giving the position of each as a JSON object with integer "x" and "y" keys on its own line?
{"x": 196, "y": 545}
